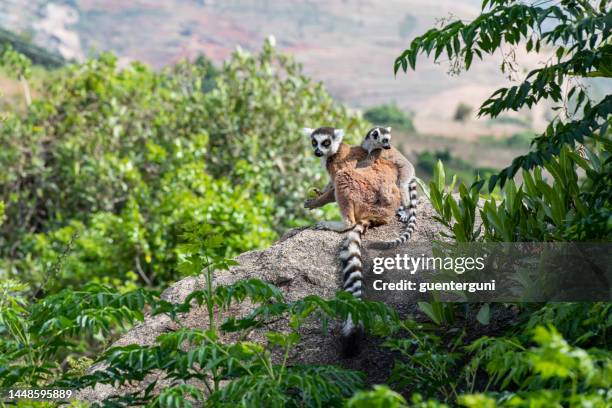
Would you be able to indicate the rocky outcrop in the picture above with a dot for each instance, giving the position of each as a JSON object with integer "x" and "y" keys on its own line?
{"x": 303, "y": 262}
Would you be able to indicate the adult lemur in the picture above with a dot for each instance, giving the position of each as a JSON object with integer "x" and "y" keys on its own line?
{"x": 378, "y": 142}
{"x": 366, "y": 196}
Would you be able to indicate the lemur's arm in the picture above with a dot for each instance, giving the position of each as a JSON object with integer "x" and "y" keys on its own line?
{"x": 325, "y": 197}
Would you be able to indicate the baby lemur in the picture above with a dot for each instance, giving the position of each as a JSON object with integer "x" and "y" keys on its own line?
{"x": 378, "y": 140}
{"x": 366, "y": 196}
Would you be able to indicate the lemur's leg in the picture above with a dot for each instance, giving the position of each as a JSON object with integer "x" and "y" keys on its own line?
{"x": 336, "y": 226}
{"x": 408, "y": 208}
{"x": 385, "y": 194}
{"x": 348, "y": 216}
{"x": 402, "y": 211}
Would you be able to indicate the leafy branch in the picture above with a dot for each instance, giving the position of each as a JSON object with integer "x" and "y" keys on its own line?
{"x": 578, "y": 32}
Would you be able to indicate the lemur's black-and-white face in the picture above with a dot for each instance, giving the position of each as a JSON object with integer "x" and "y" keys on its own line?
{"x": 377, "y": 138}
{"x": 325, "y": 140}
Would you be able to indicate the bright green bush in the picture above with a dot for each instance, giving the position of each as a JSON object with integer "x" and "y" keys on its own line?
{"x": 115, "y": 160}
{"x": 119, "y": 160}
{"x": 380, "y": 396}
{"x": 126, "y": 247}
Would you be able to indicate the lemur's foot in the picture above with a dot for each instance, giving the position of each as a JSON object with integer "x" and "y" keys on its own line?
{"x": 336, "y": 226}
{"x": 402, "y": 215}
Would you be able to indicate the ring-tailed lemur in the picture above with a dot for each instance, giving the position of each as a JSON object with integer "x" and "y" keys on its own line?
{"x": 366, "y": 196}
{"x": 378, "y": 139}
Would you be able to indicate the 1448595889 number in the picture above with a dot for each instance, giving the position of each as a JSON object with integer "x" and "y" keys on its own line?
{"x": 45, "y": 394}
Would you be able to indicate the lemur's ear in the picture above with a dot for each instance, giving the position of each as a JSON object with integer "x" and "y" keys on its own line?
{"x": 338, "y": 133}
{"x": 307, "y": 131}
{"x": 389, "y": 129}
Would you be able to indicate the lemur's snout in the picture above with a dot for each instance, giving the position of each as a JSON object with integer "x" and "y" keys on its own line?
{"x": 318, "y": 153}
{"x": 386, "y": 144}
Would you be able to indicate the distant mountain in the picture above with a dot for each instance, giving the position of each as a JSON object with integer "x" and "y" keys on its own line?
{"x": 348, "y": 44}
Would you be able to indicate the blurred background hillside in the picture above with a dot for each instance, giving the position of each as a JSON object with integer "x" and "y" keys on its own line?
{"x": 349, "y": 45}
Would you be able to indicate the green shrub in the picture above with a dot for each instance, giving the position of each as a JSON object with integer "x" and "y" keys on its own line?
{"x": 389, "y": 115}
{"x": 566, "y": 208}
{"x": 380, "y": 396}
{"x": 99, "y": 135}
{"x": 120, "y": 160}
{"x": 42, "y": 336}
{"x": 115, "y": 160}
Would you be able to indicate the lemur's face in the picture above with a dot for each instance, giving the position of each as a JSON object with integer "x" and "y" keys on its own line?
{"x": 325, "y": 141}
{"x": 378, "y": 138}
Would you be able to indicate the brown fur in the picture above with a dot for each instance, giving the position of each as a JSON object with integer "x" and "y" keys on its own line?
{"x": 357, "y": 157}
{"x": 367, "y": 195}
{"x": 346, "y": 157}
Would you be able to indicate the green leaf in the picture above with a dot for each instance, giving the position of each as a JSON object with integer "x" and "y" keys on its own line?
{"x": 484, "y": 314}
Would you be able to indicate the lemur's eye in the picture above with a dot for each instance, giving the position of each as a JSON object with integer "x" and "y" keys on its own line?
{"x": 326, "y": 143}
{"x": 314, "y": 142}
{"x": 375, "y": 135}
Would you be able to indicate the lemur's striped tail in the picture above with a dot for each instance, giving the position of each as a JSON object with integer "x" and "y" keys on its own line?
{"x": 352, "y": 278}
{"x": 409, "y": 220}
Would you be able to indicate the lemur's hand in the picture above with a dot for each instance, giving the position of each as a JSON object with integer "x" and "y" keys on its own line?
{"x": 314, "y": 192}
{"x": 310, "y": 203}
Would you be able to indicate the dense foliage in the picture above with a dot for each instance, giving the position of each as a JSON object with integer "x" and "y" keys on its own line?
{"x": 565, "y": 195}
{"x": 116, "y": 178}
{"x": 114, "y": 162}
{"x": 254, "y": 117}
{"x": 579, "y": 34}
